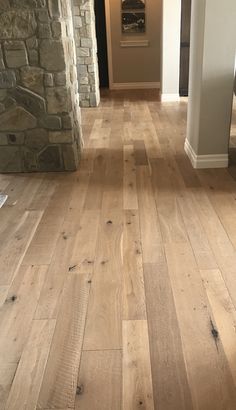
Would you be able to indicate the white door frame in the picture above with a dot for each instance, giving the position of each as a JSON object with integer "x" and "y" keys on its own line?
{"x": 109, "y": 44}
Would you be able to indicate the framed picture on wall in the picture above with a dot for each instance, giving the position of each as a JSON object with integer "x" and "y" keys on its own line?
{"x": 133, "y": 4}
{"x": 133, "y": 22}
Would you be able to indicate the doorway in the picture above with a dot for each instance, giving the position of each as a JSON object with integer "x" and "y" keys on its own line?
{"x": 100, "y": 15}
{"x": 185, "y": 47}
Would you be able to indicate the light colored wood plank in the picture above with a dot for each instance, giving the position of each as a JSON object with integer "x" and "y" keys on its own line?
{"x": 18, "y": 310}
{"x": 59, "y": 384}
{"x": 7, "y": 374}
{"x": 100, "y": 381}
{"x": 3, "y": 294}
{"x": 58, "y": 270}
{"x": 134, "y": 305}
{"x": 84, "y": 244}
{"x": 224, "y": 314}
{"x": 149, "y": 224}
{"x": 12, "y": 254}
{"x": 42, "y": 246}
{"x": 137, "y": 378}
{"x": 209, "y": 377}
{"x": 197, "y": 236}
{"x": 129, "y": 182}
{"x": 103, "y": 327}
{"x": 28, "y": 378}
{"x": 222, "y": 248}
{"x": 169, "y": 376}
{"x": 95, "y": 188}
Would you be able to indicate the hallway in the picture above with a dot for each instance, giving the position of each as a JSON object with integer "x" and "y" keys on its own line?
{"x": 117, "y": 282}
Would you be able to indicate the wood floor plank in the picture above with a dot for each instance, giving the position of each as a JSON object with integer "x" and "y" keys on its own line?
{"x": 104, "y": 232}
{"x": 17, "y": 312}
{"x": 129, "y": 182}
{"x": 224, "y": 313}
{"x": 140, "y": 154}
{"x": 12, "y": 254}
{"x": 99, "y": 383}
{"x": 197, "y": 236}
{"x": 7, "y": 374}
{"x": 103, "y": 327}
{"x": 59, "y": 383}
{"x": 95, "y": 188}
{"x": 222, "y": 248}
{"x": 209, "y": 376}
{"x": 3, "y": 294}
{"x": 134, "y": 304}
{"x": 28, "y": 378}
{"x": 149, "y": 224}
{"x": 171, "y": 390}
{"x": 137, "y": 377}
{"x": 84, "y": 245}
{"x": 42, "y": 246}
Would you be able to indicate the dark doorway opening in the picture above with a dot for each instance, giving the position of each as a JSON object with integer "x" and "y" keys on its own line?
{"x": 185, "y": 47}
{"x": 100, "y": 14}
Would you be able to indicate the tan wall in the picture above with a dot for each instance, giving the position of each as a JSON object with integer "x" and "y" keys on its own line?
{"x": 137, "y": 64}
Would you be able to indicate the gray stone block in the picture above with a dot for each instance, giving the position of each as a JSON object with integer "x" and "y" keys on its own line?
{"x": 71, "y": 157}
{"x": 61, "y": 137}
{"x": 50, "y": 159}
{"x": 7, "y": 79}
{"x": 44, "y": 30}
{"x": 33, "y": 56}
{"x": 17, "y": 119}
{"x": 33, "y": 78}
{"x": 50, "y": 122}
{"x": 17, "y": 24}
{"x": 15, "y": 54}
{"x": 36, "y": 139}
{"x": 33, "y": 102}
{"x": 52, "y": 56}
{"x": 10, "y": 159}
{"x": 58, "y": 100}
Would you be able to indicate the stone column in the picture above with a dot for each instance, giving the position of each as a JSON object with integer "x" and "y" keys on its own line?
{"x": 39, "y": 103}
{"x": 86, "y": 48}
{"x": 212, "y": 61}
{"x": 170, "y": 72}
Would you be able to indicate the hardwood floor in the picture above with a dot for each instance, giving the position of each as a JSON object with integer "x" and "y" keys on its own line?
{"x": 118, "y": 282}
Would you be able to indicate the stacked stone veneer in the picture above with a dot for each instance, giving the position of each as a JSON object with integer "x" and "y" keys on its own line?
{"x": 86, "y": 48}
{"x": 39, "y": 102}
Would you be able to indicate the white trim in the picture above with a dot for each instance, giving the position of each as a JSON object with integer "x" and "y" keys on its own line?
{"x": 135, "y": 86}
{"x": 134, "y": 43}
{"x": 206, "y": 161}
{"x": 170, "y": 97}
{"x": 109, "y": 43}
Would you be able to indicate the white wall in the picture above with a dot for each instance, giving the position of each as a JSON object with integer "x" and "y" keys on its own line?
{"x": 170, "y": 70}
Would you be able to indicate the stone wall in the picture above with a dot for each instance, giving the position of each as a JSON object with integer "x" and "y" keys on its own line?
{"x": 86, "y": 48}
{"x": 39, "y": 102}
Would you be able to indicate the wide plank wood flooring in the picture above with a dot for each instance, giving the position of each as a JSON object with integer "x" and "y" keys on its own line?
{"x": 118, "y": 282}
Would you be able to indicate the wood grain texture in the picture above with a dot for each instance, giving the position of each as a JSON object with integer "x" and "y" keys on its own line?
{"x": 100, "y": 368}
{"x": 137, "y": 377}
{"x": 210, "y": 380}
{"x": 134, "y": 304}
{"x": 171, "y": 390}
{"x": 17, "y": 312}
{"x": 59, "y": 383}
{"x": 30, "y": 370}
{"x": 137, "y": 240}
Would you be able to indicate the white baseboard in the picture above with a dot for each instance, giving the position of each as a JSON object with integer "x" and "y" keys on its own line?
{"x": 134, "y": 86}
{"x": 170, "y": 97}
{"x": 206, "y": 161}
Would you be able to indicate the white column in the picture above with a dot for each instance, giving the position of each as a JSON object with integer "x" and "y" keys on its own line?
{"x": 212, "y": 61}
{"x": 171, "y": 26}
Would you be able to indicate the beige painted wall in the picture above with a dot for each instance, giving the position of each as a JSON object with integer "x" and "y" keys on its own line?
{"x": 136, "y": 64}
